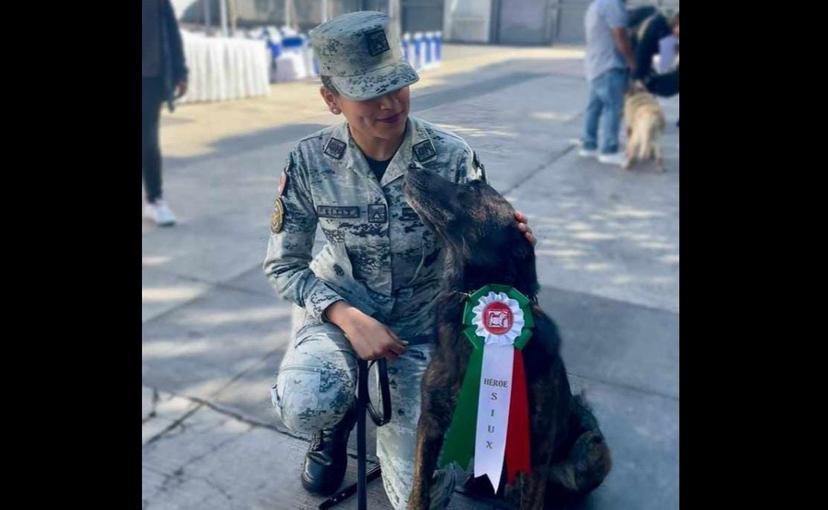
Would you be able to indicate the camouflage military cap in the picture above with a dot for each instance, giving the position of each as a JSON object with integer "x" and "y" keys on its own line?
{"x": 361, "y": 53}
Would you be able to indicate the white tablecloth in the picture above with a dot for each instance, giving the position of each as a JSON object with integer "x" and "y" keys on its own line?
{"x": 225, "y": 68}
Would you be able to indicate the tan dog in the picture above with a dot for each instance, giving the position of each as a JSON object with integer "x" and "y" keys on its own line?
{"x": 644, "y": 122}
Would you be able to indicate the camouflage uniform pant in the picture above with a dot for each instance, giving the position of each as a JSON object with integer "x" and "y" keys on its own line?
{"x": 316, "y": 385}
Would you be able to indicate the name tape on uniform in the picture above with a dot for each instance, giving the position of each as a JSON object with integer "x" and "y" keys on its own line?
{"x": 336, "y": 211}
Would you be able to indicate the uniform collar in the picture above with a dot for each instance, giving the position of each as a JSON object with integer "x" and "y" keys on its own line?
{"x": 416, "y": 141}
{"x": 416, "y": 148}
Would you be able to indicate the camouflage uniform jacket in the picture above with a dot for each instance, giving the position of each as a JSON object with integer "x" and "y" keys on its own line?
{"x": 379, "y": 256}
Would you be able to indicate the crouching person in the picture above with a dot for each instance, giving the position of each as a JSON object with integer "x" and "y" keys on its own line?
{"x": 370, "y": 292}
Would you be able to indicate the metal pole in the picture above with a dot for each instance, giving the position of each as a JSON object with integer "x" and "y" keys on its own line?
{"x": 223, "y": 14}
{"x": 207, "y": 19}
{"x": 233, "y": 15}
{"x": 325, "y": 11}
{"x": 393, "y": 12}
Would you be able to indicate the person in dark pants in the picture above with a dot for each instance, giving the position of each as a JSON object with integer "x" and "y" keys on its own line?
{"x": 646, "y": 33}
{"x": 163, "y": 79}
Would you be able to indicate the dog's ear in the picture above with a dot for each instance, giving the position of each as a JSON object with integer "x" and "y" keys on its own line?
{"x": 521, "y": 250}
{"x": 523, "y": 254}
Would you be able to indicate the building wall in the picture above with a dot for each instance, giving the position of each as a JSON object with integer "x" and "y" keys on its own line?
{"x": 303, "y": 14}
{"x": 534, "y": 22}
{"x": 467, "y": 21}
{"x": 524, "y": 22}
{"x": 570, "y": 28}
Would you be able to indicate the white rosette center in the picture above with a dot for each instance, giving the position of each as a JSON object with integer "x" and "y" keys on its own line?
{"x": 509, "y": 336}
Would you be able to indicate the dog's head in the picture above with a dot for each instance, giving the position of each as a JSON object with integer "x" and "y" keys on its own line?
{"x": 478, "y": 228}
{"x": 635, "y": 87}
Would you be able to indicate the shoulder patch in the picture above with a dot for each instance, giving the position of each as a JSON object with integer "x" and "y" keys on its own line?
{"x": 335, "y": 148}
{"x": 424, "y": 151}
{"x": 277, "y": 218}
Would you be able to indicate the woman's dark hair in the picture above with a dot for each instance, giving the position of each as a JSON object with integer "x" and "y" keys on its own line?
{"x": 328, "y": 84}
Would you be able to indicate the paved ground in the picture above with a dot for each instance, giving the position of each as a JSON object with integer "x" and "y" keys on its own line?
{"x": 214, "y": 332}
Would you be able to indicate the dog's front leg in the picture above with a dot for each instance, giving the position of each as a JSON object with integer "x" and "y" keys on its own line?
{"x": 533, "y": 492}
{"x": 431, "y": 427}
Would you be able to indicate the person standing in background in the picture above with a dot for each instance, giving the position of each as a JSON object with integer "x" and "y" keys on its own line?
{"x": 163, "y": 79}
{"x": 657, "y": 34}
{"x": 609, "y": 60}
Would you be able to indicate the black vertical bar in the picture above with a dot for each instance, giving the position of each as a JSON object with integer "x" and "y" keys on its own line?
{"x": 362, "y": 405}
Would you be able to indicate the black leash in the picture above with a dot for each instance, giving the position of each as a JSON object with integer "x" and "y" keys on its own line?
{"x": 364, "y": 404}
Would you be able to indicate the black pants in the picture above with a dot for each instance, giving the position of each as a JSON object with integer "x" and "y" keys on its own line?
{"x": 664, "y": 85}
{"x": 151, "y": 100}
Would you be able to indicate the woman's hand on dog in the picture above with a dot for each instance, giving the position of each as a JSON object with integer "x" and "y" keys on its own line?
{"x": 370, "y": 338}
{"x": 523, "y": 226}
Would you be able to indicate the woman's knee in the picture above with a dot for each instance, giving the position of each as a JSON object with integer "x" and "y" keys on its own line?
{"x": 308, "y": 400}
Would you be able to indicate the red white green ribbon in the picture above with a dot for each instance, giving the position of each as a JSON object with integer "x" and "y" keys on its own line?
{"x": 491, "y": 420}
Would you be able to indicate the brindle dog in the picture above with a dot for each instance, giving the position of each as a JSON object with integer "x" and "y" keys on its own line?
{"x": 484, "y": 246}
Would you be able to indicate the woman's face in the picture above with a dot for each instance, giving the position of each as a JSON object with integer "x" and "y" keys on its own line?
{"x": 382, "y": 117}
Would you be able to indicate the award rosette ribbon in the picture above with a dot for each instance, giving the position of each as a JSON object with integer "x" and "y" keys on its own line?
{"x": 491, "y": 420}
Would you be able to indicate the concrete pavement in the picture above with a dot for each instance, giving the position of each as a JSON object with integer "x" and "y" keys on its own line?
{"x": 214, "y": 331}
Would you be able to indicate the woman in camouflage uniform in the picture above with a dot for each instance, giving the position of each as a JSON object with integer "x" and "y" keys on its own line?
{"x": 370, "y": 292}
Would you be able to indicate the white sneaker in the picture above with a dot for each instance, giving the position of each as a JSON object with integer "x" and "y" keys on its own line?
{"x": 160, "y": 214}
{"x": 618, "y": 158}
{"x": 587, "y": 153}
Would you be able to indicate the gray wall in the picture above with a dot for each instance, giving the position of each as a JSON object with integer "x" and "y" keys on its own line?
{"x": 525, "y": 22}
{"x": 544, "y": 22}
{"x": 532, "y": 22}
{"x": 306, "y": 13}
{"x": 422, "y": 15}
{"x": 570, "y": 28}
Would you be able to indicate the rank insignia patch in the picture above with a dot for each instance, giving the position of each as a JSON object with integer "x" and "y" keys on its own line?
{"x": 335, "y": 148}
{"x": 377, "y": 213}
{"x": 424, "y": 151}
{"x": 377, "y": 42}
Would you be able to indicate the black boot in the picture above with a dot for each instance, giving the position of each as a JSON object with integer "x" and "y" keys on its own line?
{"x": 327, "y": 457}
